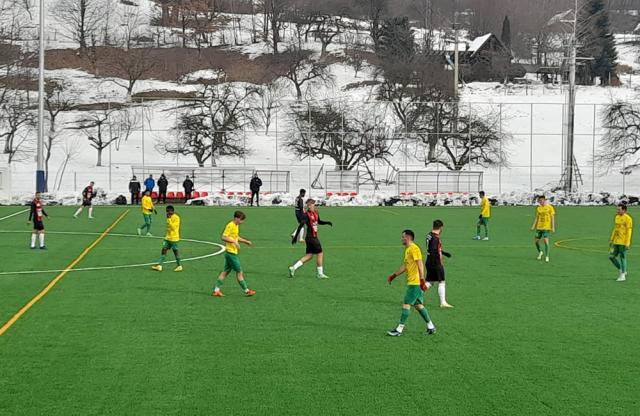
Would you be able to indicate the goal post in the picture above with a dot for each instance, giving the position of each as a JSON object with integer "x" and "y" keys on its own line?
{"x": 426, "y": 181}
{"x": 342, "y": 182}
{"x": 5, "y": 182}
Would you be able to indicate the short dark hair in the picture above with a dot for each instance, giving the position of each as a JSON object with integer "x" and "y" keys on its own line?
{"x": 170, "y": 208}
{"x": 542, "y": 197}
{"x": 622, "y": 206}
{"x": 240, "y": 215}
{"x": 410, "y": 233}
{"x": 481, "y": 193}
{"x": 437, "y": 224}
{"x": 303, "y": 191}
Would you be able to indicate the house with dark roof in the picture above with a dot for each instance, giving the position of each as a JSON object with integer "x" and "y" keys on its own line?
{"x": 484, "y": 59}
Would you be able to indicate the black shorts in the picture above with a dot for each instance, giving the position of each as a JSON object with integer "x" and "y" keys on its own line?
{"x": 38, "y": 225}
{"x": 435, "y": 273}
{"x": 313, "y": 245}
{"x": 86, "y": 203}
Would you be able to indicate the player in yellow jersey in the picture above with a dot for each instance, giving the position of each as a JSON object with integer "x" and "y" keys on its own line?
{"x": 483, "y": 219}
{"x": 232, "y": 239}
{"x": 171, "y": 240}
{"x": 620, "y": 241}
{"x": 544, "y": 224}
{"x": 147, "y": 209}
{"x": 416, "y": 284}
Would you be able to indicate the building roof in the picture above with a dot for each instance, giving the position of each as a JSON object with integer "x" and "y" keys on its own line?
{"x": 479, "y": 42}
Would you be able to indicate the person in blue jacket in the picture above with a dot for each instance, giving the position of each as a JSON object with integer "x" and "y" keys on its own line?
{"x": 149, "y": 183}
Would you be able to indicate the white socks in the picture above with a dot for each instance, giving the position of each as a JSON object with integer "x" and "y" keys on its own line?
{"x": 301, "y": 235}
{"x": 90, "y": 212}
{"x": 320, "y": 270}
{"x": 34, "y": 238}
{"x": 297, "y": 265}
{"x": 400, "y": 328}
{"x": 78, "y": 212}
{"x": 442, "y": 293}
{"x": 430, "y": 325}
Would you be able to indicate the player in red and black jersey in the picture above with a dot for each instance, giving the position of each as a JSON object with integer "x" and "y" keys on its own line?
{"x": 435, "y": 264}
{"x": 87, "y": 196}
{"x": 311, "y": 220}
{"x": 37, "y": 215}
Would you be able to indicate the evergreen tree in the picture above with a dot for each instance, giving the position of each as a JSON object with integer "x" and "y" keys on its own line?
{"x": 597, "y": 42}
{"x": 397, "y": 49}
{"x": 397, "y": 40}
{"x": 506, "y": 32}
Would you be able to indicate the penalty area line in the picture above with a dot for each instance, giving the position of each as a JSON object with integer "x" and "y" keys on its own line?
{"x": 59, "y": 277}
{"x": 14, "y": 214}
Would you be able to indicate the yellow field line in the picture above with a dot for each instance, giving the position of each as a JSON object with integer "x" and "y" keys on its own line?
{"x": 562, "y": 244}
{"x": 59, "y": 277}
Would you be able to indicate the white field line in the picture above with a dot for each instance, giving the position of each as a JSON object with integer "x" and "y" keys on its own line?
{"x": 14, "y": 214}
{"x": 124, "y": 266}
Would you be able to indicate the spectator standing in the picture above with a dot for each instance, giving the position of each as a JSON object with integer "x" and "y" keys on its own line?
{"x": 149, "y": 183}
{"x": 134, "y": 189}
{"x": 188, "y": 188}
{"x": 163, "y": 183}
{"x": 254, "y": 186}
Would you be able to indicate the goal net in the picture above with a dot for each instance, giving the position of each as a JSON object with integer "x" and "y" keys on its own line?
{"x": 424, "y": 181}
{"x": 342, "y": 182}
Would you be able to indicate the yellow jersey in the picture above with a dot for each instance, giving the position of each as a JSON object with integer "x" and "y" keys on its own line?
{"x": 147, "y": 205}
{"x": 545, "y": 214}
{"x": 173, "y": 228}
{"x": 412, "y": 254}
{"x": 622, "y": 230}
{"x": 485, "y": 208}
{"x": 232, "y": 230}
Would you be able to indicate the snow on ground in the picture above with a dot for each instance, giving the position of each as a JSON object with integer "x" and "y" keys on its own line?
{"x": 533, "y": 115}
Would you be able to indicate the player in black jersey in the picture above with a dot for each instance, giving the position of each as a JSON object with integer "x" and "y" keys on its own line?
{"x": 434, "y": 263}
{"x": 87, "y": 196}
{"x": 300, "y": 216}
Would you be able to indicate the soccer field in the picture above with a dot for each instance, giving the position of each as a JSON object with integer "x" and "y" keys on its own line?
{"x": 525, "y": 337}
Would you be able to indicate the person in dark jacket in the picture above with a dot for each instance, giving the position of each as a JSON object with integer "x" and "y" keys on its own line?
{"x": 299, "y": 210}
{"x": 149, "y": 183}
{"x": 254, "y": 186}
{"x": 134, "y": 189}
{"x": 163, "y": 183}
{"x": 188, "y": 188}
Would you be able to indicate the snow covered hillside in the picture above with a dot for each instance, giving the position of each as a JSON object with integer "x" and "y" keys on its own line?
{"x": 532, "y": 115}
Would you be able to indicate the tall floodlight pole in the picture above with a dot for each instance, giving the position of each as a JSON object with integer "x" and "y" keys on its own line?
{"x": 571, "y": 105}
{"x": 41, "y": 184}
{"x": 456, "y": 61}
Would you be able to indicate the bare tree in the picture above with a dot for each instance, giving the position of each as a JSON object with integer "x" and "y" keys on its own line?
{"x": 210, "y": 126}
{"x": 327, "y": 28}
{"x": 80, "y": 19}
{"x": 103, "y": 128}
{"x": 17, "y": 122}
{"x": 267, "y": 101}
{"x": 297, "y": 66}
{"x": 130, "y": 22}
{"x": 275, "y": 12}
{"x": 71, "y": 151}
{"x": 56, "y": 102}
{"x": 132, "y": 65}
{"x": 328, "y": 131}
{"x": 621, "y": 142}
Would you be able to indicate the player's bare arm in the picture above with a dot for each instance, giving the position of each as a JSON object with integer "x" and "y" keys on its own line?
{"x": 397, "y": 273}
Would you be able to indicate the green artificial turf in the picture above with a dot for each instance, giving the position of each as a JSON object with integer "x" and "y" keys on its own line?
{"x": 525, "y": 337}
